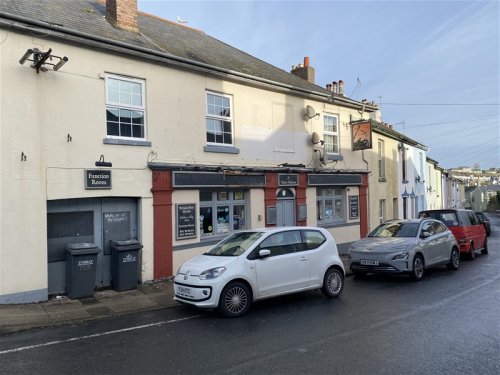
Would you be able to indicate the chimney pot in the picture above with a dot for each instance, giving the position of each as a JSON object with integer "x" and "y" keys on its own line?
{"x": 335, "y": 87}
{"x": 341, "y": 87}
{"x": 306, "y": 61}
{"x": 329, "y": 86}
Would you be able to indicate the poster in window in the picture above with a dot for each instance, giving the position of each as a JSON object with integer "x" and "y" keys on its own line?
{"x": 206, "y": 222}
{"x": 361, "y": 135}
{"x": 222, "y": 219}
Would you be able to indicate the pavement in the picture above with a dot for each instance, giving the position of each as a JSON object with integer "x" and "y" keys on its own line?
{"x": 60, "y": 310}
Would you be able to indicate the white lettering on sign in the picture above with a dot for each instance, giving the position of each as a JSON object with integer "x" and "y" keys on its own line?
{"x": 129, "y": 258}
{"x": 94, "y": 175}
{"x": 85, "y": 265}
{"x": 116, "y": 217}
{"x": 88, "y": 262}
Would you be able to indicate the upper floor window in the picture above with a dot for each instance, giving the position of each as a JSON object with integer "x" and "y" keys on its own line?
{"x": 331, "y": 134}
{"x": 125, "y": 107}
{"x": 381, "y": 160}
{"x": 403, "y": 164}
{"x": 219, "y": 119}
{"x": 421, "y": 166}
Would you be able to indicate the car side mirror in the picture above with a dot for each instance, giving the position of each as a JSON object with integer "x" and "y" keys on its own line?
{"x": 264, "y": 253}
{"x": 425, "y": 235}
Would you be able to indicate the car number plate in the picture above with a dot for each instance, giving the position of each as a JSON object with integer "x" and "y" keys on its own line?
{"x": 368, "y": 262}
{"x": 184, "y": 291}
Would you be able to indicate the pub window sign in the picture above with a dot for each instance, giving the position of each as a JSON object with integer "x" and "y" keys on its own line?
{"x": 97, "y": 179}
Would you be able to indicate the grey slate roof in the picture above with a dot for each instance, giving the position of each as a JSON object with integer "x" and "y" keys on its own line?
{"x": 155, "y": 34}
{"x": 385, "y": 130}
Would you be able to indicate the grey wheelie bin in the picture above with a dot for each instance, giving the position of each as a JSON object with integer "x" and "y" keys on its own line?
{"x": 124, "y": 264}
{"x": 81, "y": 264}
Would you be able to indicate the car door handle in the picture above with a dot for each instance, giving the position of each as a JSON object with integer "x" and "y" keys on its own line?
{"x": 303, "y": 258}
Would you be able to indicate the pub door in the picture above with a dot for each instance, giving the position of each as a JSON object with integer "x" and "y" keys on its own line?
{"x": 285, "y": 208}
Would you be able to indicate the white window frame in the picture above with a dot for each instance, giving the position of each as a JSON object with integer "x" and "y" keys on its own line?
{"x": 382, "y": 209}
{"x": 131, "y": 107}
{"x": 230, "y": 202}
{"x": 327, "y": 133}
{"x": 338, "y": 197}
{"x": 219, "y": 118}
{"x": 381, "y": 159}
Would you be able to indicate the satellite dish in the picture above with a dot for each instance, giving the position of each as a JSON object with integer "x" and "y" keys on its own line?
{"x": 315, "y": 138}
{"x": 310, "y": 112}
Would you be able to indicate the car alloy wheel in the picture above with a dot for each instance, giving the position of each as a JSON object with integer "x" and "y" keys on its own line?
{"x": 417, "y": 272}
{"x": 235, "y": 300}
{"x": 454, "y": 260}
{"x": 333, "y": 283}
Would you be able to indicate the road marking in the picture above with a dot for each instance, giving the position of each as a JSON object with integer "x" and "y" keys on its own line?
{"x": 73, "y": 339}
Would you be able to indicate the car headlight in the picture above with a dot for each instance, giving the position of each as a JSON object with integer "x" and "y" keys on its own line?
{"x": 402, "y": 256}
{"x": 212, "y": 273}
{"x": 402, "y": 253}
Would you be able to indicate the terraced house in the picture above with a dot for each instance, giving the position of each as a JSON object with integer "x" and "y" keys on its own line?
{"x": 119, "y": 125}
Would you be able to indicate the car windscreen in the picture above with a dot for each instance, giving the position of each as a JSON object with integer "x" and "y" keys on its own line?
{"x": 235, "y": 245}
{"x": 396, "y": 229}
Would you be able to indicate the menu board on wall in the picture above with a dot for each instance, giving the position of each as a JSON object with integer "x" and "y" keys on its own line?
{"x": 186, "y": 220}
{"x": 353, "y": 207}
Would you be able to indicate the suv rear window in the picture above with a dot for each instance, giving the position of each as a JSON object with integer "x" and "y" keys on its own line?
{"x": 449, "y": 219}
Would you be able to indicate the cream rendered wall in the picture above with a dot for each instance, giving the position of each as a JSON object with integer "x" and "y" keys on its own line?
{"x": 36, "y": 119}
{"x": 39, "y": 111}
{"x": 256, "y": 209}
{"x": 379, "y": 189}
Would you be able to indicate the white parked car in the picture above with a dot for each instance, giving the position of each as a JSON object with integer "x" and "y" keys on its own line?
{"x": 255, "y": 264}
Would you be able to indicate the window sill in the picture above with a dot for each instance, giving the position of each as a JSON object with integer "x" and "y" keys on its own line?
{"x": 338, "y": 224}
{"x": 382, "y": 179}
{"x": 221, "y": 149}
{"x": 334, "y": 157}
{"x": 126, "y": 142}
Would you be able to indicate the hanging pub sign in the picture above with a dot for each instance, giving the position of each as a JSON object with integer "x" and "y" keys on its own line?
{"x": 97, "y": 179}
{"x": 361, "y": 135}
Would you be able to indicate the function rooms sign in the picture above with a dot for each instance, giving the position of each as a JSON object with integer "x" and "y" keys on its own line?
{"x": 97, "y": 179}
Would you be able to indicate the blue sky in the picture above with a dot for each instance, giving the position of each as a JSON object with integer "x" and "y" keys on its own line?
{"x": 433, "y": 66}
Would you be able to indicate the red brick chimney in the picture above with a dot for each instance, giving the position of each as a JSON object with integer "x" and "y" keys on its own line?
{"x": 122, "y": 14}
{"x": 304, "y": 71}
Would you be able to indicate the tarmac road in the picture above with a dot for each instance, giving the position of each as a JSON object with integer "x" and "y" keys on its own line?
{"x": 448, "y": 323}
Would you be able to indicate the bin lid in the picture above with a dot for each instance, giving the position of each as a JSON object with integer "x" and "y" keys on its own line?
{"x": 82, "y": 248}
{"x": 124, "y": 245}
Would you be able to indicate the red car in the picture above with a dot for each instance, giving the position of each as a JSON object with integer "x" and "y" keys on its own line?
{"x": 465, "y": 226}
